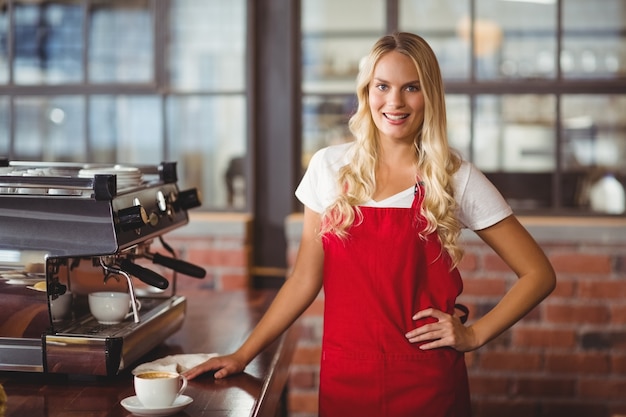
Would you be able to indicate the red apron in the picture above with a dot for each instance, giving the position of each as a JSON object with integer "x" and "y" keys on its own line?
{"x": 374, "y": 282}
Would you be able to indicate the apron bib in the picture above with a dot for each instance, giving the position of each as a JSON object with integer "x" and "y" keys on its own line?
{"x": 374, "y": 281}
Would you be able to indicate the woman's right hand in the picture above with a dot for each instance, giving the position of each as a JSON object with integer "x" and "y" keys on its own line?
{"x": 223, "y": 366}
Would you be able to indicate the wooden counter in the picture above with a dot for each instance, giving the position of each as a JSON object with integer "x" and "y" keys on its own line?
{"x": 215, "y": 322}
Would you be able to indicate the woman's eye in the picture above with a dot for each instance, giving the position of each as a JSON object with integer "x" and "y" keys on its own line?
{"x": 412, "y": 88}
{"x": 381, "y": 87}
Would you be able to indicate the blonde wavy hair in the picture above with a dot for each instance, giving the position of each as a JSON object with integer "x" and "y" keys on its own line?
{"x": 435, "y": 161}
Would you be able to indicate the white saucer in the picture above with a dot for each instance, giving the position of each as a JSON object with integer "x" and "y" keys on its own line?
{"x": 133, "y": 405}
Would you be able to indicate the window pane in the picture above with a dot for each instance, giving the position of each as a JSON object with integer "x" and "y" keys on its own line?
{"x": 209, "y": 150}
{"x": 515, "y": 39}
{"x": 440, "y": 23}
{"x": 514, "y": 144}
{"x": 208, "y": 45}
{"x": 515, "y": 133}
{"x": 594, "y": 132}
{"x": 332, "y": 16}
{"x": 458, "y": 116}
{"x": 50, "y": 129}
{"x": 332, "y": 46}
{"x": 4, "y": 127}
{"x": 324, "y": 123}
{"x": 48, "y": 43}
{"x": 126, "y": 129}
{"x": 4, "y": 47}
{"x": 593, "y": 42}
{"x": 121, "y": 42}
{"x": 593, "y": 137}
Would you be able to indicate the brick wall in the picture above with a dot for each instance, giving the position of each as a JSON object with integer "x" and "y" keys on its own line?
{"x": 219, "y": 242}
{"x": 565, "y": 358}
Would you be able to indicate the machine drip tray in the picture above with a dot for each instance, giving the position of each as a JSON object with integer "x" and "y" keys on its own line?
{"x": 86, "y": 325}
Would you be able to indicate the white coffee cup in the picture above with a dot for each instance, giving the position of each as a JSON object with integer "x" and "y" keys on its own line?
{"x": 60, "y": 306}
{"x": 159, "y": 389}
{"x": 110, "y": 307}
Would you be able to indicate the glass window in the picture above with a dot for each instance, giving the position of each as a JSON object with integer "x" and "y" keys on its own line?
{"x": 48, "y": 42}
{"x": 593, "y": 136}
{"x": 515, "y": 133}
{"x": 443, "y": 23}
{"x": 514, "y": 39}
{"x": 594, "y": 132}
{"x": 593, "y": 39}
{"x": 46, "y": 128}
{"x": 187, "y": 61}
{"x": 459, "y": 123}
{"x": 132, "y": 123}
{"x": 4, "y": 127}
{"x": 210, "y": 151}
{"x": 325, "y": 122}
{"x": 333, "y": 46}
{"x": 4, "y": 45}
{"x": 121, "y": 42}
{"x": 514, "y": 143}
{"x": 208, "y": 45}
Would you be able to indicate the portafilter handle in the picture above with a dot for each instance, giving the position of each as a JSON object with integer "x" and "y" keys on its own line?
{"x": 144, "y": 274}
{"x": 177, "y": 265}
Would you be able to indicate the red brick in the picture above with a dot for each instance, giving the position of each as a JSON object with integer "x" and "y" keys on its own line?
{"x": 238, "y": 257}
{"x": 534, "y": 315}
{"x": 618, "y": 314}
{"x": 601, "y": 338}
{"x": 310, "y": 331}
{"x": 234, "y": 282}
{"x": 470, "y": 359}
{"x": 468, "y": 263}
{"x": 489, "y": 385}
{"x": 495, "y": 263}
{"x": 602, "y": 289}
{"x": 618, "y": 364}
{"x": 604, "y": 388}
{"x": 503, "y": 408}
{"x": 484, "y": 286}
{"x": 574, "y": 408}
{"x": 580, "y": 363}
{"x": 564, "y": 288}
{"x": 316, "y": 308}
{"x": 581, "y": 263}
{"x": 511, "y": 361}
{"x": 302, "y": 378}
{"x": 545, "y": 387}
{"x": 579, "y": 314}
{"x": 303, "y": 402}
{"x": 540, "y": 337}
{"x": 307, "y": 355}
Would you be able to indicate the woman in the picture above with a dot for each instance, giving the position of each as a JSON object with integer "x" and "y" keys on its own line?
{"x": 382, "y": 219}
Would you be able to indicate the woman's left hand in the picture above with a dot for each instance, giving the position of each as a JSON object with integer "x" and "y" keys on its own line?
{"x": 446, "y": 331}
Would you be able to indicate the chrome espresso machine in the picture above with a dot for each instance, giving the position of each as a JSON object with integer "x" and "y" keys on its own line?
{"x": 67, "y": 230}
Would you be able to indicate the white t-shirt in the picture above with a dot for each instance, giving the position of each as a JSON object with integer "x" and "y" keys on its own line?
{"x": 480, "y": 204}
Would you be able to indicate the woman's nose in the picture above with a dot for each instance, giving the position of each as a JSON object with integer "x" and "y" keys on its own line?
{"x": 396, "y": 98}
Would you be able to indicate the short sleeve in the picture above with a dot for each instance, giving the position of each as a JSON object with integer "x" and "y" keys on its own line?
{"x": 480, "y": 203}
{"x": 318, "y": 188}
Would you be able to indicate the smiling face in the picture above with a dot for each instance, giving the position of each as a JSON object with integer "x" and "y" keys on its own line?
{"x": 396, "y": 100}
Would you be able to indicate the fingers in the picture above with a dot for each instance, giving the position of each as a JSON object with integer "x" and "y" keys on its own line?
{"x": 446, "y": 331}
{"x": 222, "y": 365}
{"x": 430, "y": 312}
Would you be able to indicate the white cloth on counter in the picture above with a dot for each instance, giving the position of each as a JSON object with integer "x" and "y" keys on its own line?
{"x": 174, "y": 363}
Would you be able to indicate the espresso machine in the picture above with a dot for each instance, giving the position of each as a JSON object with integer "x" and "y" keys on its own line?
{"x": 67, "y": 230}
